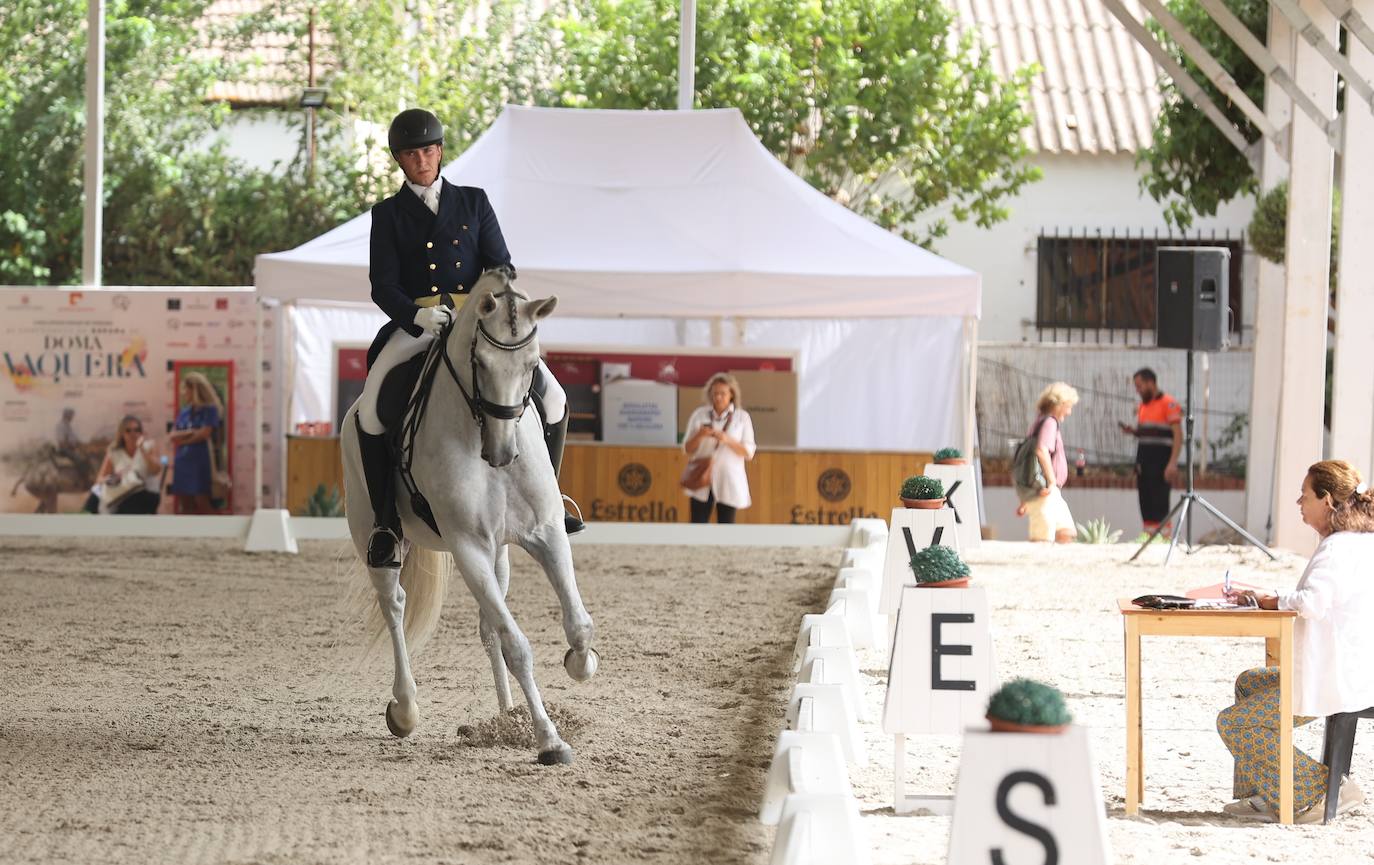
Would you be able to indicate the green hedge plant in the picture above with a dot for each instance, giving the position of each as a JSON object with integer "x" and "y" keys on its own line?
{"x": 1029, "y": 703}
{"x": 938, "y": 564}
{"x": 948, "y": 454}
{"x": 922, "y": 487}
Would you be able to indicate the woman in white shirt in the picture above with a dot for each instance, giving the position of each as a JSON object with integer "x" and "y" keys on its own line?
{"x": 723, "y": 432}
{"x": 1333, "y": 644}
{"x": 130, "y": 476}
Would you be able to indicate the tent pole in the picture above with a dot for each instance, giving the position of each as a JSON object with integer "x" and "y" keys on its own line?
{"x": 92, "y": 228}
{"x": 687, "y": 55}
{"x": 971, "y": 393}
{"x": 257, "y": 413}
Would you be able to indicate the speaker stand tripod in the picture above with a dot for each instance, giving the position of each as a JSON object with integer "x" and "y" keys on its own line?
{"x": 1183, "y": 510}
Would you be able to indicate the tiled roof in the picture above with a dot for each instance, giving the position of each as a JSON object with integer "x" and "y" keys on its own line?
{"x": 1096, "y": 92}
{"x": 274, "y": 64}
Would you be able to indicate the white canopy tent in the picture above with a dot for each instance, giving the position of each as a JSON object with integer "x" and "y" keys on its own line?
{"x": 662, "y": 228}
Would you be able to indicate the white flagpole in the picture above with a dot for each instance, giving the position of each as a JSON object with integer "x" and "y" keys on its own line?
{"x": 686, "y": 56}
{"x": 94, "y": 185}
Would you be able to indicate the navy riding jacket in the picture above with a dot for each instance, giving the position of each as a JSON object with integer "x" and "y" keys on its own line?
{"x": 417, "y": 254}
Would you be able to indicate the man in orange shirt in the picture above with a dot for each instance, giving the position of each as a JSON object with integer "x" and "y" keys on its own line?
{"x": 1159, "y": 438}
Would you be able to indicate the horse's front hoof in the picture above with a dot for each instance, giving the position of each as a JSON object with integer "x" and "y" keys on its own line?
{"x": 398, "y": 729}
{"x": 583, "y": 668}
{"x": 556, "y": 757}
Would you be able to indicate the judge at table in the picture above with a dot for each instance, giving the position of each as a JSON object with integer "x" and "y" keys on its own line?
{"x": 1333, "y": 648}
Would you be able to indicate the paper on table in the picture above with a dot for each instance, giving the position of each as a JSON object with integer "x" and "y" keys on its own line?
{"x": 1217, "y": 590}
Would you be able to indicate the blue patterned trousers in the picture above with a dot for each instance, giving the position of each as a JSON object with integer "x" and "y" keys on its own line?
{"x": 1250, "y": 729}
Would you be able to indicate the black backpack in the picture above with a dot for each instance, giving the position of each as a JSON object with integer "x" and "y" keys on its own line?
{"x": 1026, "y": 474}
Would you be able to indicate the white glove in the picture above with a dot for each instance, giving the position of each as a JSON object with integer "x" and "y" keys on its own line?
{"x": 432, "y": 319}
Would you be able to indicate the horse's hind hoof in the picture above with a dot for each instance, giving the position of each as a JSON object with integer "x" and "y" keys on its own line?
{"x": 394, "y": 725}
{"x": 558, "y": 756}
{"x": 581, "y": 669}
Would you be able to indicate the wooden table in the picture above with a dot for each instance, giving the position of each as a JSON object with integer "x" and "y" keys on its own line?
{"x": 1276, "y": 626}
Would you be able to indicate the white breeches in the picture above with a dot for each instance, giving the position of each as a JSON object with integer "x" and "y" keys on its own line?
{"x": 401, "y": 348}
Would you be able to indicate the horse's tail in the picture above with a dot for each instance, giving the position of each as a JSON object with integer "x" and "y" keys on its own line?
{"x": 424, "y": 579}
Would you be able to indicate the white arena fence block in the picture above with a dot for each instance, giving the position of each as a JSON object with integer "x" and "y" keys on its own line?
{"x": 854, "y": 605}
{"x": 870, "y": 556}
{"x": 835, "y": 666}
{"x": 912, "y": 530}
{"x": 1028, "y": 797}
{"x": 963, "y": 499}
{"x": 941, "y": 670}
{"x": 270, "y": 532}
{"x": 820, "y": 630}
{"x": 865, "y": 530}
{"x": 803, "y": 762}
{"x": 820, "y": 829}
{"x": 831, "y": 713}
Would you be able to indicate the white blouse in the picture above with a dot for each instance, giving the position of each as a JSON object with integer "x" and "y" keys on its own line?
{"x": 728, "y": 480}
{"x": 1334, "y": 643}
{"x": 122, "y": 462}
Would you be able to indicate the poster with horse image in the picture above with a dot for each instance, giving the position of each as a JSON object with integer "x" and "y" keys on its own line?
{"x": 74, "y": 362}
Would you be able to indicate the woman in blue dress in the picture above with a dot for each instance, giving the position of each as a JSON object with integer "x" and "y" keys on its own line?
{"x": 194, "y": 436}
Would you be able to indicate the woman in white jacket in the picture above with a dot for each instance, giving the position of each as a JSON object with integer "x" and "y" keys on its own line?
{"x": 722, "y": 431}
{"x": 1333, "y": 644}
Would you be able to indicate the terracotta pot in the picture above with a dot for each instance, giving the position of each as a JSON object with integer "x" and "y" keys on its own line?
{"x": 946, "y": 584}
{"x": 1000, "y": 726}
{"x": 953, "y": 461}
{"x": 925, "y": 504}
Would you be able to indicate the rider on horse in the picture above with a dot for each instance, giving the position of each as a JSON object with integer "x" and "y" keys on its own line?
{"x": 430, "y": 242}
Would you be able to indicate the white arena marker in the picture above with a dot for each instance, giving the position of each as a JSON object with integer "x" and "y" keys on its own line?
{"x": 853, "y": 604}
{"x": 861, "y": 578}
{"x": 803, "y": 763}
{"x": 820, "y": 630}
{"x": 870, "y": 556}
{"x": 912, "y": 530}
{"x": 1028, "y": 797}
{"x": 964, "y": 501}
{"x": 840, "y": 668}
{"x": 866, "y": 530}
{"x": 940, "y": 675}
{"x": 820, "y": 829}
{"x": 270, "y": 532}
{"x": 831, "y": 712}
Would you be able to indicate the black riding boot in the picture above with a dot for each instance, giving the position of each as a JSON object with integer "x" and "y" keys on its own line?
{"x": 384, "y": 544}
{"x": 555, "y": 436}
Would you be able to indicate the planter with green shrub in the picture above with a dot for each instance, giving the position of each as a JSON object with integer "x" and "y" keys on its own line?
{"x": 1028, "y": 706}
{"x": 939, "y": 567}
{"x": 922, "y": 491}
{"x": 950, "y": 457}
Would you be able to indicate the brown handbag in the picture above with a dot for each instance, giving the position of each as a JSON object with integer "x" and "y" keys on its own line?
{"x": 696, "y": 475}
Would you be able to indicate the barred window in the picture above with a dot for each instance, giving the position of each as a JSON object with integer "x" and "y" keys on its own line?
{"x": 1095, "y": 284}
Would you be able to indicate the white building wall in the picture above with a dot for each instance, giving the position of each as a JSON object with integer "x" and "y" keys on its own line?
{"x": 1078, "y": 191}
{"x": 265, "y": 140}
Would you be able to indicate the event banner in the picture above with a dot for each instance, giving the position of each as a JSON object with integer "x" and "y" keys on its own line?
{"x": 76, "y": 362}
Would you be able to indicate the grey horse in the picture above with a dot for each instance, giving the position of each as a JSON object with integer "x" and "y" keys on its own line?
{"x": 489, "y": 483}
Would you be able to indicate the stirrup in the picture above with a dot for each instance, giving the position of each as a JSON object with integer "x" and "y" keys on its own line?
{"x": 573, "y": 525}
{"x": 378, "y": 556}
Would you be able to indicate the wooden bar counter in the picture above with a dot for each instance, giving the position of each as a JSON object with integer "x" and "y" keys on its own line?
{"x": 625, "y": 483}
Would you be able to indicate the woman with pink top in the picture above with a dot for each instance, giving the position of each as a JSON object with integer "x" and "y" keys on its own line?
{"x": 1049, "y": 513}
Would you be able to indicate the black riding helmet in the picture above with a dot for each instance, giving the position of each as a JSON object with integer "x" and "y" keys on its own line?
{"x": 414, "y": 127}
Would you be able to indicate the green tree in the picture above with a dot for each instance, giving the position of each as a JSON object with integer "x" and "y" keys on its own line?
{"x": 1190, "y": 168}
{"x": 873, "y": 102}
{"x": 177, "y": 210}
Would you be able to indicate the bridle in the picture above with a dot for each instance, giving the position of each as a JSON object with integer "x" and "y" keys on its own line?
{"x": 480, "y": 407}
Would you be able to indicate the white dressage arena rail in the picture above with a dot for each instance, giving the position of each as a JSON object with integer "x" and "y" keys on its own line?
{"x": 276, "y": 531}
{"x": 807, "y": 793}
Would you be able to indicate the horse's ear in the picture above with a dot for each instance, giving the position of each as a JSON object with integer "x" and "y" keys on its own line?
{"x": 486, "y": 306}
{"x": 544, "y": 307}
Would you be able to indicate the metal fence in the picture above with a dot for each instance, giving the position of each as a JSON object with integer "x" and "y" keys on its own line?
{"x": 1011, "y": 377}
